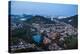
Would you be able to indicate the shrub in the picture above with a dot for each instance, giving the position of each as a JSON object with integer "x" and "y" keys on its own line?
{"x": 71, "y": 42}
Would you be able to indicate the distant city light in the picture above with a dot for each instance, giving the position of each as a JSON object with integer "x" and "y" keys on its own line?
{"x": 60, "y": 17}
{"x": 22, "y": 19}
{"x": 70, "y": 20}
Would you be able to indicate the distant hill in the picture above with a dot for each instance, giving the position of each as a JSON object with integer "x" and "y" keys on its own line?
{"x": 39, "y": 19}
{"x": 73, "y": 20}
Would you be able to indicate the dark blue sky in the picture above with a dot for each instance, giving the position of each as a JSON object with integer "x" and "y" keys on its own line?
{"x": 50, "y": 9}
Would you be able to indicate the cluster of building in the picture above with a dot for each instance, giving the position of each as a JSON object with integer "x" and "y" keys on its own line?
{"x": 60, "y": 29}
